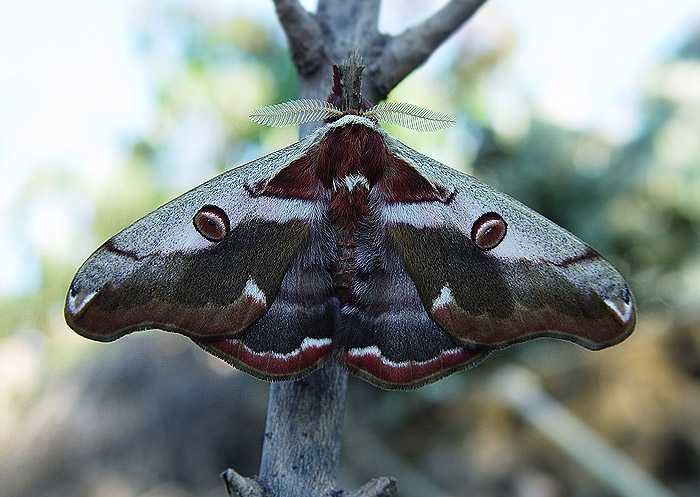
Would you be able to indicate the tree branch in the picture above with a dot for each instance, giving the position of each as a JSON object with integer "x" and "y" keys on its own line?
{"x": 348, "y": 25}
{"x": 303, "y": 35}
{"x": 405, "y": 52}
{"x": 240, "y": 486}
{"x": 378, "y": 487}
{"x": 303, "y": 434}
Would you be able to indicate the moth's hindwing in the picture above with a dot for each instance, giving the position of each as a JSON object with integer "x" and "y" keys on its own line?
{"x": 296, "y": 334}
{"x": 390, "y": 339}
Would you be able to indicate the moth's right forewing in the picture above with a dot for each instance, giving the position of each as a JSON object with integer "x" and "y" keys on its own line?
{"x": 525, "y": 278}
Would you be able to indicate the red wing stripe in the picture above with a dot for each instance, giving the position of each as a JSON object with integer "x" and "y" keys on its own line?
{"x": 272, "y": 363}
{"x": 408, "y": 373}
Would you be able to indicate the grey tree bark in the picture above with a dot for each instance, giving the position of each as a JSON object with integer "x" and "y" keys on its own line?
{"x": 303, "y": 434}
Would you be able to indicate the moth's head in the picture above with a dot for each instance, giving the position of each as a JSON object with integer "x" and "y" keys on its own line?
{"x": 346, "y": 92}
{"x": 346, "y": 99}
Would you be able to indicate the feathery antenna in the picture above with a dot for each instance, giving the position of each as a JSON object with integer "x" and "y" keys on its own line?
{"x": 410, "y": 116}
{"x": 294, "y": 113}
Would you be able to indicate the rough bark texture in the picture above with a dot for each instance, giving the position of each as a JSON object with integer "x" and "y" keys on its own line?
{"x": 303, "y": 435}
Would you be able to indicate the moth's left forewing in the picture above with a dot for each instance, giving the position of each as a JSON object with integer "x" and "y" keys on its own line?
{"x": 160, "y": 272}
{"x": 539, "y": 280}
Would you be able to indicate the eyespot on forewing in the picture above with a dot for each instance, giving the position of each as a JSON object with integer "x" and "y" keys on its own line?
{"x": 488, "y": 231}
{"x": 212, "y": 223}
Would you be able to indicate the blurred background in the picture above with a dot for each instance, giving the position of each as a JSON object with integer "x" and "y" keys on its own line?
{"x": 589, "y": 112}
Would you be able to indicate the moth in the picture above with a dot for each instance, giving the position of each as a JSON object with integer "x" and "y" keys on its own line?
{"x": 350, "y": 246}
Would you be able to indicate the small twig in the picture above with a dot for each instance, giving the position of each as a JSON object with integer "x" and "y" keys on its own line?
{"x": 378, "y": 487}
{"x": 405, "y": 52}
{"x": 303, "y": 35}
{"x": 522, "y": 390}
{"x": 240, "y": 486}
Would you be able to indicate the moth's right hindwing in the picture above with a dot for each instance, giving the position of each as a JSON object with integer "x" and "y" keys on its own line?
{"x": 390, "y": 339}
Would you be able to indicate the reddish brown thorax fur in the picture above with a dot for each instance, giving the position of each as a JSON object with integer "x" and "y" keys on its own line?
{"x": 353, "y": 150}
{"x": 349, "y": 163}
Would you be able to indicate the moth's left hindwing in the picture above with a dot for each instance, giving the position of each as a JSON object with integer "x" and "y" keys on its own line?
{"x": 296, "y": 333}
{"x": 218, "y": 266}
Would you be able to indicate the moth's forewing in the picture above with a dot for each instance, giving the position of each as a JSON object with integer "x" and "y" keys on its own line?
{"x": 165, "y": 272}
{"x": 540, "y": 280}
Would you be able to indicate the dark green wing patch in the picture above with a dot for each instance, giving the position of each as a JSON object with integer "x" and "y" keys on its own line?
{"x": 486, "y": 299}
{"x": 215, "y": 291}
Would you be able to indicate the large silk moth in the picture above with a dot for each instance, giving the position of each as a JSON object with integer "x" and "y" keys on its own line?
{"x": 350, "y": 246}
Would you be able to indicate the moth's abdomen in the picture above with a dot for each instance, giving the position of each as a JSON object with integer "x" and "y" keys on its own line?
{"x": 344, "y": 268}
{"x": 348, "y": 212}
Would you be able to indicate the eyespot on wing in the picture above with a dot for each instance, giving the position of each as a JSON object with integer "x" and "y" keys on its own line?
{"x": 488, "y": 231}
{"x": 212, "y": 223}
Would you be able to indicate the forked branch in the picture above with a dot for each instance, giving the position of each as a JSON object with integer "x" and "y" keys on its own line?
{"x": 405, "y": 52}
{"x": 303, "y": 35}
{"x": 340, "y": 26}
